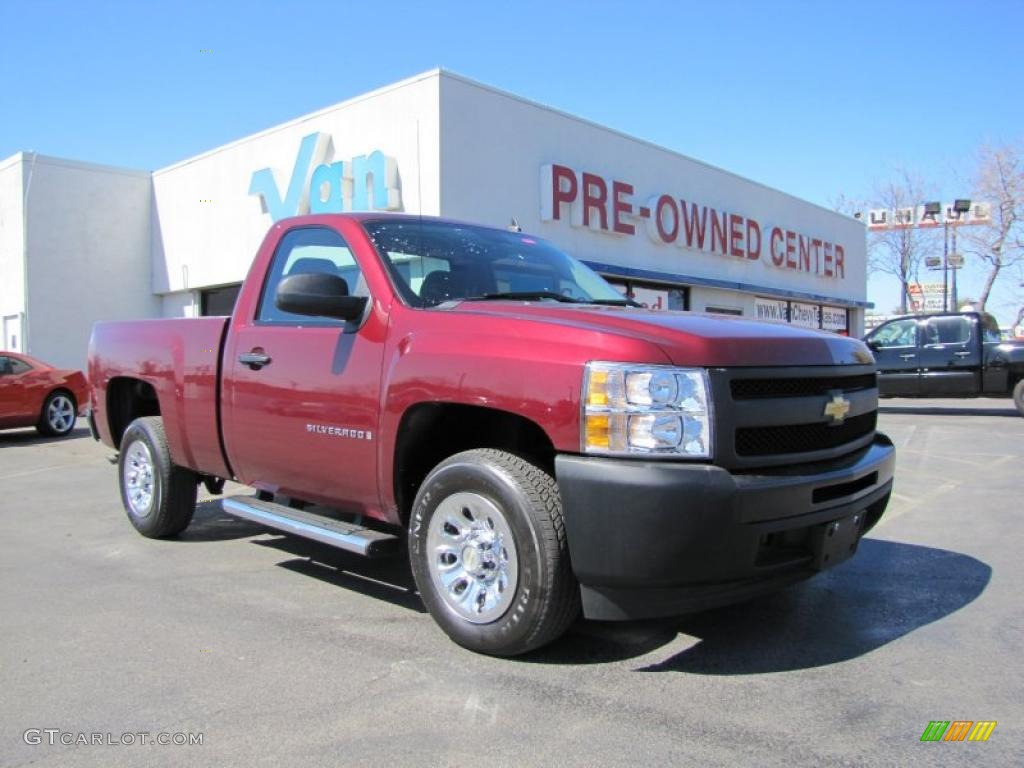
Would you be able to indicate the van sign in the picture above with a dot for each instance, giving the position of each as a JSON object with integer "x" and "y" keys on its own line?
{"x": 364, "y": 183}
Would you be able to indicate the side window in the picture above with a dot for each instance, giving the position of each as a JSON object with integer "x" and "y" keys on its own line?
{"x": 315, "y": 250}
{"x": 947, "y": 330}
{"x": 9, "y": 366}
{"x": 899, "y": 333}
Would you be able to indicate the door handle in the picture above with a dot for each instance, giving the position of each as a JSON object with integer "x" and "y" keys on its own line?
{"x": 962, "y": 354}
{"x": 254, "y": 359}
{"x": 907, "y": 357}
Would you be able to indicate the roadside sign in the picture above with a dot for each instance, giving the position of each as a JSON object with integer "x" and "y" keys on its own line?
{"x": 911, "y": 217}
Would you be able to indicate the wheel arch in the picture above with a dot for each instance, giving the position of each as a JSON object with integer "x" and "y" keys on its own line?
{"x": 127, "y": 399}
{"x": 430, "y": 432}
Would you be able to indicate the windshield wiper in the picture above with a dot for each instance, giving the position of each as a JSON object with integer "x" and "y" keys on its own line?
{"x": 615, "y": 302}
{"x": 532, "y": 295}
{"x": 523, "y": 296}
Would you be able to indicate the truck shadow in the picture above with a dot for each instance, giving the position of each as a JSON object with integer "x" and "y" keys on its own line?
{"x": 385, "y": 578}
{"x": 211, "y": 523}
{"x": 935, "y": 410}
{"x": 887, "y": 591}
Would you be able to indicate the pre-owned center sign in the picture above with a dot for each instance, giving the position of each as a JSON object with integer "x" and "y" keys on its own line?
{"x": 608, "y": 206}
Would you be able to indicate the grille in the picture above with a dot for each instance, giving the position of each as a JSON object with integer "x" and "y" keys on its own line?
{"x": 750, "y": 389}
{"x": 802, "y": 438}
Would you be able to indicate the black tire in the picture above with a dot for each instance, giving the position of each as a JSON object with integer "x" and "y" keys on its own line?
{"x": 545, "y": 598}
{"x": 171, "y": 490}
{"x": 57, "y": 418}
{"x": 1018, "y": 396}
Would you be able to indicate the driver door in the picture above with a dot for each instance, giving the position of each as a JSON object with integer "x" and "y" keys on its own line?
{"x": 303, "y": 422}
{"x": 15, "y": 397}
{"x": 895, "y": 346}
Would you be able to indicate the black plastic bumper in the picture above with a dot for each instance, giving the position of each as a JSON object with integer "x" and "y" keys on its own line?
{"x": 652, "y": 538}
{"x": 90, "y": 418}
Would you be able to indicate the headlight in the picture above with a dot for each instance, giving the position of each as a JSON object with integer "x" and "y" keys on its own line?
{"x": 646, "y": 409}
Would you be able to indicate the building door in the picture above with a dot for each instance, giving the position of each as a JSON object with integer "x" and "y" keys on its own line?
{"x": 218, "y": 301}
{"x": 12, "y": 333}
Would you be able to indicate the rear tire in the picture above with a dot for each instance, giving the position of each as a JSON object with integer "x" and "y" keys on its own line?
{"x": 489, "y": 553}
{"x": 158, "y": 496}
{"x": 1018, "y": 396}
{"x": 57, "y": 418}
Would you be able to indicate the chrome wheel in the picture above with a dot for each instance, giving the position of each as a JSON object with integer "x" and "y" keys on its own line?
{"x": 138, "y": 479}
{"x": 471, "y": 555}
{"x": 60, "y": 414}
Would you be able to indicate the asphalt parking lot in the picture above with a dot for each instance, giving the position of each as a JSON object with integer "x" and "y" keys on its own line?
{"x": 283, "y": 652}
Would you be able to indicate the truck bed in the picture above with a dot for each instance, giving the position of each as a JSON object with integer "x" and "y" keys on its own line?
{"x": 180, "y": 359}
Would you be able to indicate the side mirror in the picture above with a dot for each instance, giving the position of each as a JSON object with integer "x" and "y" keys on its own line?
{"x": 873, "y": 345}
{"x": 319, "y": 295}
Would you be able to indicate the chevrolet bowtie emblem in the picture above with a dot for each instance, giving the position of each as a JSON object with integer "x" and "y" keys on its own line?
{"x": 837, "y": 408}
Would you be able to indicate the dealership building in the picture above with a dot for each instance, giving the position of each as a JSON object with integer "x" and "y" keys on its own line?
{"x": 81, "y": 242}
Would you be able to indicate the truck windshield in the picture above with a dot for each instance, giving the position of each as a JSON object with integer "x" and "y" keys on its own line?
{"x": 435, "y": 261}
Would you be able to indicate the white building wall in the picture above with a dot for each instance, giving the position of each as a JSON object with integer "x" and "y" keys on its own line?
{"x": 494, "y": 146}
{"x": 12, "y": 255}
{"x": 88, "y": 254}
{"x": 207, "y": 226}
{"x": 108, "y": 243}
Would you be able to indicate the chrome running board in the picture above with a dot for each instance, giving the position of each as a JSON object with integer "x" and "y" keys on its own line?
{"x": 327, "y": 530}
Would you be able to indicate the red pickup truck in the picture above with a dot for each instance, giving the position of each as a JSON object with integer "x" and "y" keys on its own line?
{"x": 541, "y": 445}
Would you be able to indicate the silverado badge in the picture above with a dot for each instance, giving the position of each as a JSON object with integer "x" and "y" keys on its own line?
{"x": 837, "y": 408}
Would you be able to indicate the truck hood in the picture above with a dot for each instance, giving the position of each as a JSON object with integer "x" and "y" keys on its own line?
{"x": 691, "y": 338}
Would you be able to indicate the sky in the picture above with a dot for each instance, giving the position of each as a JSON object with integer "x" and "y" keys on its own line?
{"x": 818, "y": 99}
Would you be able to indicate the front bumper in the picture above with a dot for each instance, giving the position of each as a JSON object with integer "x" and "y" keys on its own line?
{"x": 654, "y": 538}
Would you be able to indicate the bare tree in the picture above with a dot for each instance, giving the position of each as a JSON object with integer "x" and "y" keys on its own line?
{"x": 900, "y": 252}
{"x": 999, "y": 181}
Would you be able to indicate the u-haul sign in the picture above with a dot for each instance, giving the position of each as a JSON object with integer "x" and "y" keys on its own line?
{"x": 910, "y": 217}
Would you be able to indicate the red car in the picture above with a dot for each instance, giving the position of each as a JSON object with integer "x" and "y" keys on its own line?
{"x": 34, "y": 394}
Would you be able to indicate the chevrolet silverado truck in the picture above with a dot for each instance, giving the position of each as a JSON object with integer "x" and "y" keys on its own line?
{"x": 537, "y": 444}
{"x": 957, "y": 354}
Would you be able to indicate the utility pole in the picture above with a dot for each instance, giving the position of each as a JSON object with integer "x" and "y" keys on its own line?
{"x": 960, "y": 207}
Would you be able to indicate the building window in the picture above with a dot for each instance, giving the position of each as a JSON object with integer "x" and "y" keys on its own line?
{"x": 653, "y": 295}
{"x": 218, "y": 301}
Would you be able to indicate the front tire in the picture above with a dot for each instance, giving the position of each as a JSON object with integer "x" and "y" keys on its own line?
{"x": 1018, "y": 396}
{"x": 158, "y": 495}
{"x": 489, "y": 554}
{"x": 57, "y": 418}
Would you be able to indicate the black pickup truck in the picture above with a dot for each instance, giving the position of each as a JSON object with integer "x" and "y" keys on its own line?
{"x": 947, "y": 355}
